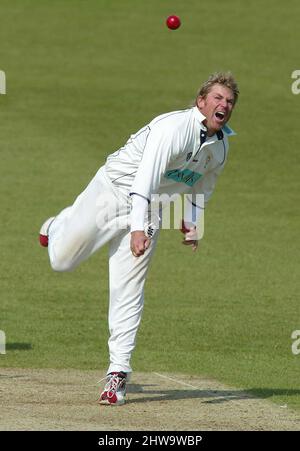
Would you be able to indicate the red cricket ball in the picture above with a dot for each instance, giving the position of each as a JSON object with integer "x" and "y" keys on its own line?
{"x": 173, "y": 22}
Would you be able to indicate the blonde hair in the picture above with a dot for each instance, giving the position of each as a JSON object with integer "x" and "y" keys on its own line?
{"x": 221, "y": 78}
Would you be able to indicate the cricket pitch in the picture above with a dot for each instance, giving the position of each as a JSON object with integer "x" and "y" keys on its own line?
{"x": 43, "y": 399}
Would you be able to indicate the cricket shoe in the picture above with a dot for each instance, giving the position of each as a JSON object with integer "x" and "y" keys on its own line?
{"x": 114, "y": 392}
{"x": 44, "y": 232}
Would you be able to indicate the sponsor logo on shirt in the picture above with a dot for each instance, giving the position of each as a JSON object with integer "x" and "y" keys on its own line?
{"x": 185, "y": 176}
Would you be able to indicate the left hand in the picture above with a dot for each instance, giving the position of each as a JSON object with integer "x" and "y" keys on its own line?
{"x": 190, "y": 235}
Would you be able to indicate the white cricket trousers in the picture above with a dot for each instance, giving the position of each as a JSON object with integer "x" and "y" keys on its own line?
{"x": 80, "y": 230}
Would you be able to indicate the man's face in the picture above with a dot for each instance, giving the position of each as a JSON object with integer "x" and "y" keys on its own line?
{"x": 217, "y": 107}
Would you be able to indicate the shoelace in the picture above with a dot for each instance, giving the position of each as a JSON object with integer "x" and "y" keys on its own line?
{"x": 112, "y": 384}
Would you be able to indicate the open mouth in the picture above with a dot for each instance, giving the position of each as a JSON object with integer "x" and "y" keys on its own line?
{"x": 220, "y": 115}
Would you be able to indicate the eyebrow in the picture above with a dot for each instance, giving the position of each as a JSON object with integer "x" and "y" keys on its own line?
{"x": 223, "y": 97}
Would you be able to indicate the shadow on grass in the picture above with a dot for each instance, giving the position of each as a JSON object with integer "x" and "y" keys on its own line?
{"x": 18, "y": 346}
{"x": 209, "y": 396}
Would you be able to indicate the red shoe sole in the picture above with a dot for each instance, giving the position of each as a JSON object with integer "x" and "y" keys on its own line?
{"x": 44, "y": 240}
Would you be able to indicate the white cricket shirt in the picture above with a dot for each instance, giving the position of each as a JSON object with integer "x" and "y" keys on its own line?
{"x": 172, "y": 154}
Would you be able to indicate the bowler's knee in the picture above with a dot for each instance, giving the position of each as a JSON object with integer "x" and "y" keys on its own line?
{"x": 65, "y": 254}
{"x": 61, "y": 262}
{"x": 59, "y": 265}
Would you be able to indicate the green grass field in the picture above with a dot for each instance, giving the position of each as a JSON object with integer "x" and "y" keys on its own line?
{"x": 83, "y": 75}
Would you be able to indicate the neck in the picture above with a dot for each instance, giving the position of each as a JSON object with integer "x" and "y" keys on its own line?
{"x": 210, "y": 132}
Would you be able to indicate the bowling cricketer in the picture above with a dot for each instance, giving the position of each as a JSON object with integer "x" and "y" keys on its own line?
{"x": 180, "y": 152}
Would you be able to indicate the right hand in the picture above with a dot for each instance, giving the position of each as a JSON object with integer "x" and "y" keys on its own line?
{"x": 139, "y": 243}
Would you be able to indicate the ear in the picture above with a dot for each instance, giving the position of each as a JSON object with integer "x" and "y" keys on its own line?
{"x": 200, "y": 102}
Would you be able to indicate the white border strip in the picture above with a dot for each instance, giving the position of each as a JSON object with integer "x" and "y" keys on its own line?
{"x": 176, "y": 380}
